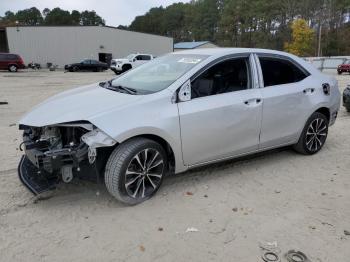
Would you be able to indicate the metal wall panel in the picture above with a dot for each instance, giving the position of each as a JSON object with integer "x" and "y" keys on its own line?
{"x": 67, "y": 44}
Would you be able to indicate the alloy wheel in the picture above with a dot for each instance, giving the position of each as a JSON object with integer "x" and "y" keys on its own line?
{"x": 144, "y": 173}
{"x": 316, "y": 134}
{"x": 13, "y": 68}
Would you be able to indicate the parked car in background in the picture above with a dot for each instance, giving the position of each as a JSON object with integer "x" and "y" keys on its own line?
{"x": 343, "y": 68}
{"x": 346, "y": 98}
{"x": 87, "y": 65}
{"x": 122, "y": 65}
{"x": 11, "y": 62}
{"x": 177, "y": 112}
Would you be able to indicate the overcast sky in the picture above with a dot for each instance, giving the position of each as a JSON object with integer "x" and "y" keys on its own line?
{"x": 115, "y": 12}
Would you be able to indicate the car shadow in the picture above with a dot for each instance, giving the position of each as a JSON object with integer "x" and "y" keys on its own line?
{"x": 81, "y": 193}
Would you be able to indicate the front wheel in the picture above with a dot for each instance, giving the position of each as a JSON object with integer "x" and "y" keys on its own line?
{"x": 13, "y": 68}
{"x": 135, "y": 170}
{"x": 314, "y": 135}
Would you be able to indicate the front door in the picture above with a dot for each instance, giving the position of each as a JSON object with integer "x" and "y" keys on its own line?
{"x": 222, "y": 119}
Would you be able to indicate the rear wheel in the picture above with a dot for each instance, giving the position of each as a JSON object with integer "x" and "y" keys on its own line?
{"x": 135, "y": 170}
{"x": 314, "y": 135}
{"x": 12, "y": 68}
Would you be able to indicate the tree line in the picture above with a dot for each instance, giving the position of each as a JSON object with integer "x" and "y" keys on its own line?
{"x": 56, "y": 16}
{"x": 253, "y": 23}
{"x": 306, "y": 27}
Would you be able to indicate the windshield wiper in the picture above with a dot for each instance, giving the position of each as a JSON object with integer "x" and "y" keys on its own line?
{"x": 126, "y": 89}
{"x": 118, "y": 88}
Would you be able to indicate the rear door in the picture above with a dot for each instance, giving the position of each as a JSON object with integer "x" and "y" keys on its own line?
{"x": 139, "y": 61}
{"x": 222, "y": 119}
{"x": 286, "y": 94}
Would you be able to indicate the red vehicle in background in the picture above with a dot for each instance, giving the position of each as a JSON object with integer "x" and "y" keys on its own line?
{"x": 11, "y": 62}
{"x": 345, "y": 67}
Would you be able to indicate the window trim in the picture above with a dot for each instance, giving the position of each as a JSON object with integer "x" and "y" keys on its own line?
{"x": 217, "y": 61}
{"x": 278, "y": 57}
{"x": 221, "y": 60}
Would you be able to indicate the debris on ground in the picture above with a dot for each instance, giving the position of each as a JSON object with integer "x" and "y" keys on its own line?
{"x": 346, "y": 233}
{"x": 4, "y": 103}
{"x": 205, "y": 196}
{"x": 270, "y": 251}
{"x": 86, "y": 237}
{"x": 160, "y": 229}
{"x": 277, "y": 191}
{"x": 10, "y": 125}
{"x": 188, "y": 193}
{"x": 235, "y": 209}
{"x": 296, "y": 256}
{"x": 142, "y": 248}
{"x": 312, "y": 227}
{"x": 192, "y": 229}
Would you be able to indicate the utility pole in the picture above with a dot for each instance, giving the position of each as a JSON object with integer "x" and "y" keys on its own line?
{"x": 321, "y": 20}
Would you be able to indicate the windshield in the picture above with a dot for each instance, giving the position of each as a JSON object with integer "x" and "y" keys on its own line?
{"x": 347, "y": 62}
{"x": 131, "y": 56}
{"x": 158, "y": 74}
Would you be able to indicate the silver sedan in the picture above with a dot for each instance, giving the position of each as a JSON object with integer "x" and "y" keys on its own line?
{"x": 179, "y": 111}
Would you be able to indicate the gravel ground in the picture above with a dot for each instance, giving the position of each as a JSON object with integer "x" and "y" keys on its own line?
{"x": 301, "y": 202}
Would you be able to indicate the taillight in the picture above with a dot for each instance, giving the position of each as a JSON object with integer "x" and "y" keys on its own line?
{"x": 21, "y": 60}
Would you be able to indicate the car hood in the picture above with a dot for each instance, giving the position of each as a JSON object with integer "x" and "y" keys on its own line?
{"x": 121, "y": 60}
{"x": 84, "y": 103}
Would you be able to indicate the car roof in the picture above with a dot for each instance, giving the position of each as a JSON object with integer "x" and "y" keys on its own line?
{"x": 226, "y": 51}
{"x": 219, "y": 52}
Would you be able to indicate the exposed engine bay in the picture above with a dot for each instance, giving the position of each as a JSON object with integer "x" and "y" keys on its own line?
{"x": 59, "y": 153}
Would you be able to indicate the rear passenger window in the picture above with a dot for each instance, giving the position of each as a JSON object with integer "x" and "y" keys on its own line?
{"x": 11, "y": 57}
{"x": 146, "y": 57}
{"x": 278, "y": 71}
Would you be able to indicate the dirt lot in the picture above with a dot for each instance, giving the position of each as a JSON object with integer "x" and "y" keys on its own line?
{"x": 301, "y": 202}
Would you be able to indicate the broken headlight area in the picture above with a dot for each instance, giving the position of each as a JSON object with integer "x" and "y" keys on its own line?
{"x": 59, "y": 153}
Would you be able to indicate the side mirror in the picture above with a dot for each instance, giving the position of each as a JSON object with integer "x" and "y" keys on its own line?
{"x": 185, "y": 92}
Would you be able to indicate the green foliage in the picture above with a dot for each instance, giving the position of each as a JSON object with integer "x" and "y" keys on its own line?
{"x": 255, "y": 23}
{"x": 56, "y": 16}
{"x": 302, "y": 38}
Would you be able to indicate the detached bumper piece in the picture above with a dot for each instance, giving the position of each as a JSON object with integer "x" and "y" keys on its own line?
{"x": 36, "y": 180}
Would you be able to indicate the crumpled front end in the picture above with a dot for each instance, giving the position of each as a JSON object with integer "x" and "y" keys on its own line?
{"x": 59, "y": 153}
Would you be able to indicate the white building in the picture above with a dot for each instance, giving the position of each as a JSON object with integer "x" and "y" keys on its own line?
{"x": 62, "y": 45}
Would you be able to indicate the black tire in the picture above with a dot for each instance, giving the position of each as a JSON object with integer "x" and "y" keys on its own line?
{"x": 75, "y": 69}
{"x": 340, "y": 72}
{"x": 347, "y": 108}
{"x": 314, "y": 135}
{"x": 123, "y": 168}
{"x": 13, "y": 68}
{"x": 126, "y": 68}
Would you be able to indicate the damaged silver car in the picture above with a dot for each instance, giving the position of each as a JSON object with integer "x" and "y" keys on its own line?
{"x": 179, "y": 111}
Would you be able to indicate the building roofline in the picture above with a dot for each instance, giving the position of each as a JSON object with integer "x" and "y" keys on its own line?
{"x": 201, "y": 43}
{"x": 104, "y": 26}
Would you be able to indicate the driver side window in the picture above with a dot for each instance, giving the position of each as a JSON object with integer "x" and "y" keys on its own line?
{"x": 227, "y": 76}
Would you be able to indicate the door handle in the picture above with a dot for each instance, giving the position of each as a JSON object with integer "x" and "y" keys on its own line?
{"x": 308, "y": 90}
{"x": 256, "y": 100}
